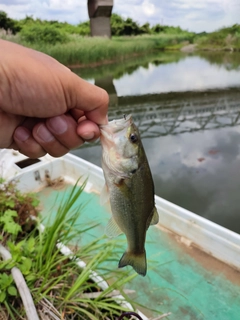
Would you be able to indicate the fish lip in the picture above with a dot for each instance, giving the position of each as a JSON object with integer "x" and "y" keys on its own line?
{"x": 119, "y": 123}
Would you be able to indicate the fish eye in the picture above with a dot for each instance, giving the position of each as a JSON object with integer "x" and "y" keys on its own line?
{"x": 133, "y": 137}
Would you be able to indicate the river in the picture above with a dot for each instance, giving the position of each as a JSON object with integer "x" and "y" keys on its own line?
{"x": 187, "y": 108}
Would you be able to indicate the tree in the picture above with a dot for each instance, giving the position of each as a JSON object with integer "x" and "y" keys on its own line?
{"x": 8, "y": 24}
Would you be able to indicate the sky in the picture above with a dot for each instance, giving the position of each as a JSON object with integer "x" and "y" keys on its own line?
{"x": 192, "y": 15}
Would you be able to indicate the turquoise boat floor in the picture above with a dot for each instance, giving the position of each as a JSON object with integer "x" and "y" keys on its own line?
{"x": 181, "y": 279}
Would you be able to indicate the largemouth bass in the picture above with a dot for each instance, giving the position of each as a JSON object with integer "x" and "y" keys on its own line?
{"x": 129, "y": 187}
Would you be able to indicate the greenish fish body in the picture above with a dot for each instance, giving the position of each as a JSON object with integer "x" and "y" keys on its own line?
{"x": 130, "y": 188}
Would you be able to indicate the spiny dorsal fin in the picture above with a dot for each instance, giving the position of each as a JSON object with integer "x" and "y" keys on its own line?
{"x": 112, "y": 229}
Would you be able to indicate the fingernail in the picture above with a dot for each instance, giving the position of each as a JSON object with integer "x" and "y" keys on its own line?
{"x": 58, "y": 125}
{"x": 44, "y": 134}
{"x": 88, "y": 135}
{"x": 21, "y": 134}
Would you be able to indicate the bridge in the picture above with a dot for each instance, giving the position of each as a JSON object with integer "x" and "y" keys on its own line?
{"x": 179, "y": 112}
{"x": 99, "y": 12}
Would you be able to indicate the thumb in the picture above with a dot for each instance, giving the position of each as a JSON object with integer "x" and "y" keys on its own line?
{"x": 42, "y": 87}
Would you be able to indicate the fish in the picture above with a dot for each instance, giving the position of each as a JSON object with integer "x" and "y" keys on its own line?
{"x": 129, "y": 187}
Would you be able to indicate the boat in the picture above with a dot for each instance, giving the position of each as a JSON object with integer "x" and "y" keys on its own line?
{"x": 193, "y": 263}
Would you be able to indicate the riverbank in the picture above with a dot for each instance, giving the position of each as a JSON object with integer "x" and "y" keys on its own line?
{"x": 225, "y": 39}
{"x": 86, "y": 51}
{"x": 73, "y": 46}
{"x": 80, "y": 51}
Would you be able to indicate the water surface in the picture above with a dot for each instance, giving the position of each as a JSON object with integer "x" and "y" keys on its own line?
{"x": 187, "y": 108}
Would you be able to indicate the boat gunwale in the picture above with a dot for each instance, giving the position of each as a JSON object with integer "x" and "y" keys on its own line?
{"x": 193, "y": 229}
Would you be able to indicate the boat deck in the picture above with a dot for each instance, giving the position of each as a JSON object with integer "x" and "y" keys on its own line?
{"x": 181, "y": 278}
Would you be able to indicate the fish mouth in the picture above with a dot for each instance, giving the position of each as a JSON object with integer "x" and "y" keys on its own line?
{"x": 107, "y": 130}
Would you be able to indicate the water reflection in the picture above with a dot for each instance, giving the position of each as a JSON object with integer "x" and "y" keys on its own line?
{"x": 229, "y": 61}
{"x": 190, "y": 74}
{"x": 107, "y": 83}
{"x": 200, "y": 171}
{"x": 191, "y": 137}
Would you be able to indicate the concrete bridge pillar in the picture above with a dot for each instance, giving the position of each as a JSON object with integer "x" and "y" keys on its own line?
{"x": 99, "y": 12}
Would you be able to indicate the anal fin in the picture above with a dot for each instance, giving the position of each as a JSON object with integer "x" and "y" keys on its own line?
{"x": 112, "y": 229}
{"x": 155, "y": 217}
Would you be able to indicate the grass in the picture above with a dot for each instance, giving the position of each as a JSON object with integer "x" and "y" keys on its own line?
{"x": 227, "y": 39}
{"x": 57, "y": 284}
{"x": 89, "y": 51}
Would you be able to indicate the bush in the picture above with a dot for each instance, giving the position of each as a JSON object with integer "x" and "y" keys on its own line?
{"x": 227, "y": 38}
{"x": 128, "y": 27}
{"x": 84, "y": 28}
{"x": 43, "y": 34}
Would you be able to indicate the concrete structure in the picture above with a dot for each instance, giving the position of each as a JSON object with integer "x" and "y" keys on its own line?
{"x": 99, "y": 12}
{"x": 175, "y": 113}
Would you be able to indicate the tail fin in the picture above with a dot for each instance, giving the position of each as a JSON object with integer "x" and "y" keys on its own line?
{"x": 137, "y": 261}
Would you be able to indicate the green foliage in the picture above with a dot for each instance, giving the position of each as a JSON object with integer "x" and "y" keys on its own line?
{"x": 8, "y": 224}
{"x": 15, "y": 210}
{"x": 43, "y": 34}
{"x": 53, "y": 278}
{"x": 119, "y": 25}
{"x": 86, "y": 51}
{"x": 7, "y": 287}
{"x": 82, "y": 29}
{"x": 157, "y": 28}
{"x": 8, "y": 24}
{"x": 129, "y": 27}
{"x": 70, "y": 45}
{"x": 225, "y": 38}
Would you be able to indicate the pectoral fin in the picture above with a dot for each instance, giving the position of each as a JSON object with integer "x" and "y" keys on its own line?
{"x": 155, "y": 217}
{"x": 112, "y": 229}
{"x": 104, "y": 196}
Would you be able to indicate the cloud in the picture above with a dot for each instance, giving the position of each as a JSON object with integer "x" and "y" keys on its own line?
{"x": 200, "y": 76}
{"x": 14, "y": 2}
{"x": 148, "y": 8}
{"x": 204, "y": 15}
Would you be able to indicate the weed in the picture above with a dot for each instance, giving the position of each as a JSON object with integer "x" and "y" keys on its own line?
{"x": 223, "y": 39}
{"x": 55, "y": 280}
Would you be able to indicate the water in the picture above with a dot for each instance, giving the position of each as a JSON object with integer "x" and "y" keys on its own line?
{"x": 187, "y": 108}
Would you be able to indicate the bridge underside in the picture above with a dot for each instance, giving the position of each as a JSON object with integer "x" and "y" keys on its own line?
{"x": 99, "y": 12}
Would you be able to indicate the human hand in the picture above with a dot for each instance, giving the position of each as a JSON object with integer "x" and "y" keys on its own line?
{"x": 44, "y": 107}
